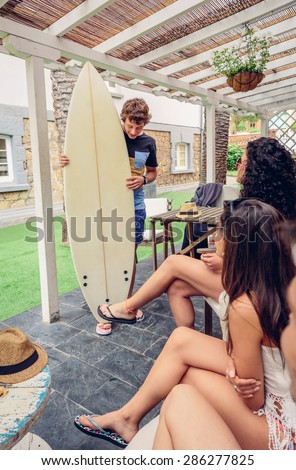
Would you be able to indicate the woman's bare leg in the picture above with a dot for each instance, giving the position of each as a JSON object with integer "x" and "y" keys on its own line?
{"x": 180, "y": 293}
{"x": 249, "y": 429}
{"x": 188, "y": 421}
{"x": 183, "y": 349}
{"x": 191, "y": 271}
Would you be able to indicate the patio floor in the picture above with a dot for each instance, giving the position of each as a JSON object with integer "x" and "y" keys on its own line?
{"x": 93, "y": 374}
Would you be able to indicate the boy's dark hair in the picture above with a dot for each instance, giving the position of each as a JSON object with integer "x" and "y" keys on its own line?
{"x": 136, "y": 110}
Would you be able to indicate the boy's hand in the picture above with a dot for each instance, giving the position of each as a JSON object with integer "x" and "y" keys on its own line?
{"x": 134, "y": 182}
{"x": 64, "y": 160}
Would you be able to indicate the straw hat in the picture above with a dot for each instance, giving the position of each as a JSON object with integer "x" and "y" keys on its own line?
{"x": 20, "y": 359}
{"x": 188, "y": 209}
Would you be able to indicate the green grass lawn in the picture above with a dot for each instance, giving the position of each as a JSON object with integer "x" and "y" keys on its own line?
{"x": 19, "y": 269}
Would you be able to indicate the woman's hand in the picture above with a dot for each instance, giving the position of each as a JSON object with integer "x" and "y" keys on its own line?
{"x": 245, "y": 388}
{"x": 212, "y": 260}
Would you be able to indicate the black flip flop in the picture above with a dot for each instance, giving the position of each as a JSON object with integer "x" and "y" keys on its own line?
{"x": 105, "y": 434}
{"x": 114, "y": 319}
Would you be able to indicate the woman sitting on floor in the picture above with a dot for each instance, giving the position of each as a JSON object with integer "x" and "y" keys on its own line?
{"x": 257, "y": 269}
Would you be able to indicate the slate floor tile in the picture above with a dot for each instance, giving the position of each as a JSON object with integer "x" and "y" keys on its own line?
{"x": 55, "y": 356}
{"x": 74, "y": 298}
{"x": 127, "y": 366}
{"x": 56, "y": 426}
{"x": 132, "y": 338}
{"x": 154, "y": 350}
{"x": 86, "y": 323}
{"x": 54, "y": 333}
{"x": 69, "y": 313}
{"x": 162, "y": 325}
{"x": 76, "y": 379}
{"x": 87, "y": 348}
{"x": 26, "y": 321}
{"x": 113, "y": 394}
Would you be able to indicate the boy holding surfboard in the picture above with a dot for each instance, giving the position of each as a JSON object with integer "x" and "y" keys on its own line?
{"x": 143, "y": 162}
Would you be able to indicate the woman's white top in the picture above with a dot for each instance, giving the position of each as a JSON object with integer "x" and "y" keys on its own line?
{"x": 279, "y": 407}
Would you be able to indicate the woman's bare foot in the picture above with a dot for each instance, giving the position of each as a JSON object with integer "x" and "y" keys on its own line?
{"x": 120, "y": 310}
{"x": 114, "y": 421}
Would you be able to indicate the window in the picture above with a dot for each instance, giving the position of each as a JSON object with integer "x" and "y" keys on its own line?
{"x": 252, "y": 125}
{"x": 182, "y": 153}
{"x": 5, "y": 159}
{"x": 181, "y": 156}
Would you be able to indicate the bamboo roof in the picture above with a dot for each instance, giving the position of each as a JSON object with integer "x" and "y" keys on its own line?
{"x": 160, "y": 46}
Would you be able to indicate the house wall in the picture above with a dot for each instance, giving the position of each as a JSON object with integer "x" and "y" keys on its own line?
{"x": 242, "y": 139}
{"x": 20, "y": 193}
{"x": 165, "y": 143}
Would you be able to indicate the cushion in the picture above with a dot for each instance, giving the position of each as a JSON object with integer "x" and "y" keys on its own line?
{"x": 144, "y": 438}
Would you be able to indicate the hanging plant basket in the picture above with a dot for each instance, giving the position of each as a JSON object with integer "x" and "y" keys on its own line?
{"x": 245, "y": 81}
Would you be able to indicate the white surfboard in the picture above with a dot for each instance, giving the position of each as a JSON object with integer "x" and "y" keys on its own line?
{"x": 99, "y": 207}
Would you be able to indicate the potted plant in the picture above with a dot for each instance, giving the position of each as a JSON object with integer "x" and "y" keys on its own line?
{"x": 244, "y": 65}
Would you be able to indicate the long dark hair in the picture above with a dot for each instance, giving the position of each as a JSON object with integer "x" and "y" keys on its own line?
{"x": 257, "y": 262}
{"x": 270, "y": 175}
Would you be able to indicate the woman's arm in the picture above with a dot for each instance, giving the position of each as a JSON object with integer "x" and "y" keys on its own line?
{"x": 247, "y": 335}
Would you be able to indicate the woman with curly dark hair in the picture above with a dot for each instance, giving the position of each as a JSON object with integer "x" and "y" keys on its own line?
{"x": 268, "y": 172}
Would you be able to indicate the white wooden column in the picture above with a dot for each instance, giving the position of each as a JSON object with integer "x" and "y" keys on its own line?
{"x": 42, "y": 188}
{"x": 264, "y": 125}
{"x": 210, "y": 143}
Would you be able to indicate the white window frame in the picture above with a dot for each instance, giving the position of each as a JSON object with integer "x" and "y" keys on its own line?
{"x": 9, "y": 177}
{"x": 182, "y": 135}
{"x": 186, "y": 146}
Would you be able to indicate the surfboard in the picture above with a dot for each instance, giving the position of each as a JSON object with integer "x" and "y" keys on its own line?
{"x": 99, "y": 207}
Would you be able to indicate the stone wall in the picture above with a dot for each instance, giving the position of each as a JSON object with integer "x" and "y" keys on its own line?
{"x": 165, "y": 176}
{"x": 242, "y": 139}
{"x": 62, "y": 87}
{"x": 18, "y": 199}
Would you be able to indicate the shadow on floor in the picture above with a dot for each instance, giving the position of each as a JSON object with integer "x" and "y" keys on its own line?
{"x": 92, "y": 374}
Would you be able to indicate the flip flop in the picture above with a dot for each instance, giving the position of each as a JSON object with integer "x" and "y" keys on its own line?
{"x": 103, "y": 331}
{"x": 141, "y": 318}
{"x": 107, "y": 331}
{"x": 105, "y": 434}
{"x": 114, "y": 319}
